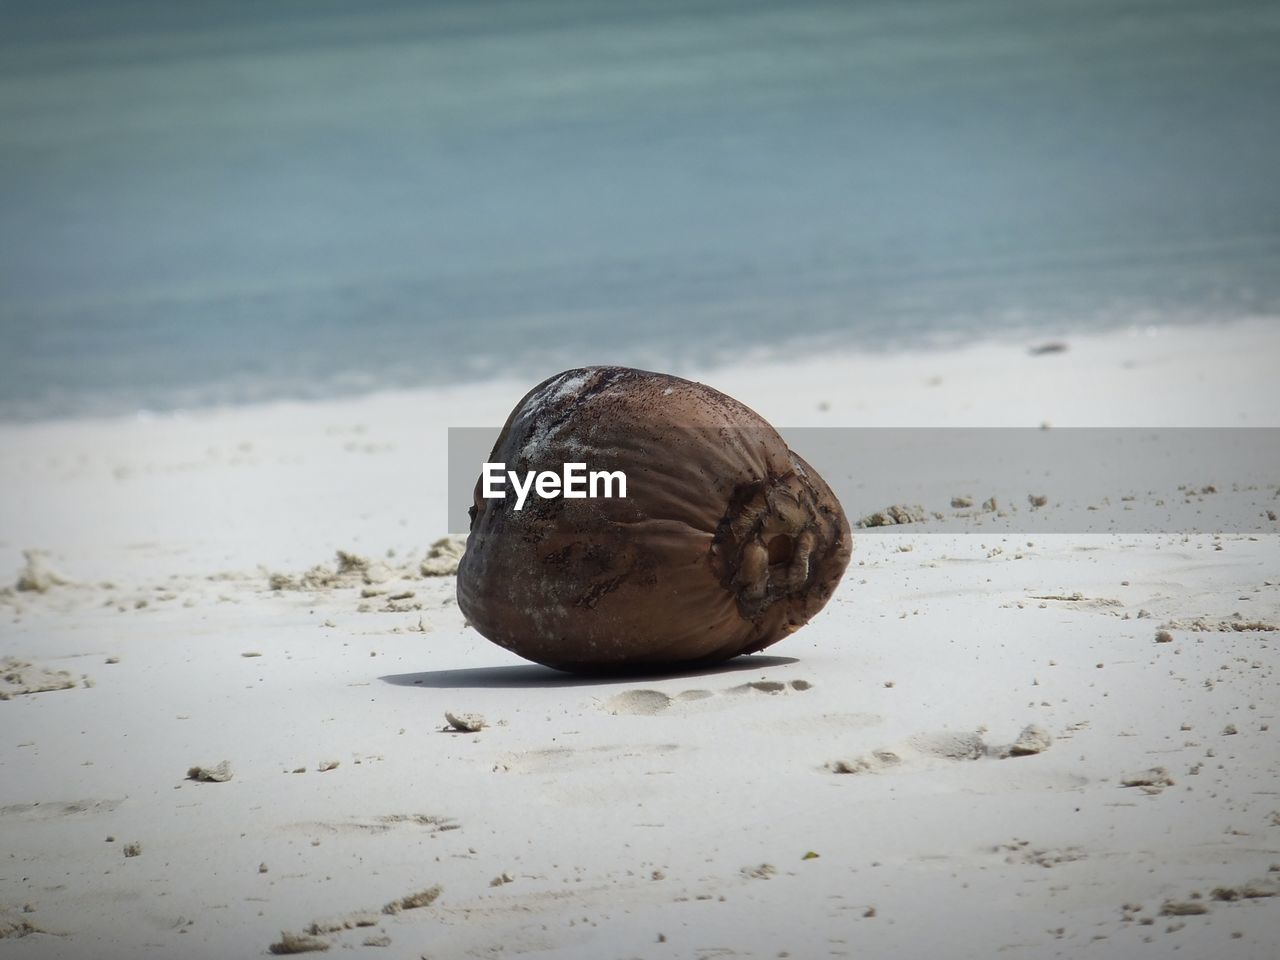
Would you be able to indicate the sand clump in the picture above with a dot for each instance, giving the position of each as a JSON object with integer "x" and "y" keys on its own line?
{"x": 356, "y": 920}
{"x": 15, "y": 929}
{"x": 1152, "y": 780}
{"x": 297, "y": 943}
{"x": 217, "y": 774}
{"x": 1253, "y": 890}
{"x": 873, "y": 762}
{"x": 443, "y": 557}
{"x": 1022, "y": 852}
{"x": 19, "y": 677}
{"x": 423, "y": 898}
{"x": 464, "y": 722}
{"x": 1031, "y": 740}
{"x": 351, "y": 569}
{"x": 309, "y": 940}
{"x": 1236, "y": 623}
{"x": 896, "y": 514}
{"x": 1183, "y": 908}
{"x": 37, "y": 576}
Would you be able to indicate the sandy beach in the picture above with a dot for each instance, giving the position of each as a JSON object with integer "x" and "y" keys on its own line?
{"x": 986, "y": 745}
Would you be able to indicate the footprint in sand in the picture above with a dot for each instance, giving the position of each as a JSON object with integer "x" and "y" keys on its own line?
{"x": 384, "y": 824}
{"x": 646, "y": 703}
{"x": 947, "y": 745}
{"x": 770, "y": 686}
{"x": 641, "y": 703}
{"x": 561, "y": 759}
{"x": 918, "y": 751}
{"x": 55, "y": 810}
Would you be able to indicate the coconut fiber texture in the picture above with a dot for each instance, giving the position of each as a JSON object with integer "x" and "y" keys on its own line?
{"x": 725, "y": 543}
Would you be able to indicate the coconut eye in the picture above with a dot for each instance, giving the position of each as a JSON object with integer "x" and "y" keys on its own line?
{"x": 725, "y": 541}
{"x": 781, "y": 549}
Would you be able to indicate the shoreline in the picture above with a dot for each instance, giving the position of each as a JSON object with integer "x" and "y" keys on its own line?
{"x": 822, "y": 350}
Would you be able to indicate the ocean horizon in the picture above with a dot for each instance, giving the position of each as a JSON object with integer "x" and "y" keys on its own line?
{"x": 231, "y": 202}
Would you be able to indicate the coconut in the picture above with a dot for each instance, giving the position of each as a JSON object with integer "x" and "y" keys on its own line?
{"x": 724, "y": 543}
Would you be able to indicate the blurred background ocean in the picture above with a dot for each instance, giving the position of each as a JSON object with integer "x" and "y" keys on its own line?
{"x": 226, "y": 201}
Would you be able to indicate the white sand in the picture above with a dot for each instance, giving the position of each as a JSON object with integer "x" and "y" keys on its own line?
{"x": 663, "y": 817}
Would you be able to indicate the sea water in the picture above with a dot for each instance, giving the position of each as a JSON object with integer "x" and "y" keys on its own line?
{"x": 223, "y": 201}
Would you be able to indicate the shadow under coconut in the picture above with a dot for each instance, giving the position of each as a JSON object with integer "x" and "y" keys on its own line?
{"x": 535, "y": 675}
